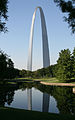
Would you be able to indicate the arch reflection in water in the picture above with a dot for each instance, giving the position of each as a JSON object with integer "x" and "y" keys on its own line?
{"x": 29, "y": 93}
{"x": 45, "y": 101}
{"x": 60, "y": 99}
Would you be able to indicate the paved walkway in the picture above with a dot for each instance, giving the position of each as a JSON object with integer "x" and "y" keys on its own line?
{"x": 58, "y": 84}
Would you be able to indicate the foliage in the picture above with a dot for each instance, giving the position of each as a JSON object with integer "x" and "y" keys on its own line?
{"x": 73, "y": 62}
{"x": 63, "y": 96}
{"x": 69, "y": 8}
{"x": 6, "y": 94}
{"x": 23, "y": 73}
{"x": 40, "y": 73}
{"x": 64, "y": 65}
{"x": 65, "y": 99}
{"x": 3, "y": 15}
{"x": 3, "y": 65}
{"x": 7, "y": 70}
{"x": 63, "y": 70}
{"x": 46, "y": 72}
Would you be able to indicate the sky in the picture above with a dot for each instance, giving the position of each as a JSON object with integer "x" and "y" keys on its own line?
{"x": 16, "y": 41}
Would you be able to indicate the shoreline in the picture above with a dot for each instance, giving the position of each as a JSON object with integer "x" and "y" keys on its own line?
{"x": 58, "y": 84}
{"x": 41, "y": 82}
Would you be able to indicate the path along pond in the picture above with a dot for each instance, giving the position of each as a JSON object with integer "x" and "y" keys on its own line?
{"x": 38, "y": 97}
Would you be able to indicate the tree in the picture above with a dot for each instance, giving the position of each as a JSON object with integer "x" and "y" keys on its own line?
{"x": 10, "y": 63}
{"x": 29, "y": 74}
{"x": 10, "y": 68}
{"x": 23, "y": 73}
{"x": 69, "y": 8}
{"x": 7, "y": 70}
{"x": 3, "y": 65}
{"x": 3, "y": 15}
{"x": 48, "y": 72}
{"x": 64, "y": 68}
{"x": 73, "y": 62}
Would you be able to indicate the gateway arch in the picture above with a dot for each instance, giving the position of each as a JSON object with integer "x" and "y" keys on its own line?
{"x": 46, "y": 59}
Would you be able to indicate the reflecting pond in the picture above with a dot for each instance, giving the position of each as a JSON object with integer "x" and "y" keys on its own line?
{"x": 37, "y": 97}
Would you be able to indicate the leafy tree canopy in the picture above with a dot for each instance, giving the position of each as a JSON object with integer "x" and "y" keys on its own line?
{"x": 73, "y": 62}
{"x": 3, "y": 15}
{"x": 64, "y": 65}
{"x": 7, "y": 70}
{"x": 68, "y": 6}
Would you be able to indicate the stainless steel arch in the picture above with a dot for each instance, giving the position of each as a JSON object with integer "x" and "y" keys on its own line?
{"x": 46, "y": 59}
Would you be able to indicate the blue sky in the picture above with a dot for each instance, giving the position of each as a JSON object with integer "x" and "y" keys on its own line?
{"x": 16, "y": 42}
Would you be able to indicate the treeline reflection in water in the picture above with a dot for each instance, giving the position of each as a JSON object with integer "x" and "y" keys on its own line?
{"x": 38, "y": 97}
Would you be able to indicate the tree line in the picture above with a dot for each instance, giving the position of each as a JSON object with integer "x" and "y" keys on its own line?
{"x": 63, "y": 70}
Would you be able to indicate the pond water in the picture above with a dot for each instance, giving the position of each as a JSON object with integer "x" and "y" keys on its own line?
{"x": 38, "y": 97}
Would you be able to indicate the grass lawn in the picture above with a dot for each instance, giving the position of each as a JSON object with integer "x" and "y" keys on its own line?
{"x": 52, "y": 80}
{"x": 48, "y": 80}
{"x": 17, "y": 114}
{"x": 39, "y": 79}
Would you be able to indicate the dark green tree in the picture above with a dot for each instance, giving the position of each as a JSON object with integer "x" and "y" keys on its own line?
{"x": 64, "y": 68}
{"x": 42, "y": 72}
{"x": 29, "y": 74}
{"x": 48, "y": 72}
{"x": 3, "y": 15}
{"x": 10, "y": 69}
{"x": 73, "y": 62}
{"x": 53, "y": 70}
{"x": 3, "y": 65}
{"x": 7, "y": 70}
{"x": 68, "y": 6}
{"x": 23, "y": 73}
{"x": 10, "y": 63}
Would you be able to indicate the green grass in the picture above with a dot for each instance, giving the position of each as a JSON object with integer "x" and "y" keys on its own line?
{"x": 17, "y": 114}
{"x": 48, "y": 80}
{"x": 40, "y": 79}
{"x": 23, "y": 78}
{"x": 12, "y": 83}
{"x": 55, "y": 80}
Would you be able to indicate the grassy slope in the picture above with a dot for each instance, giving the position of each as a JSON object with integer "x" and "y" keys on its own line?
{"x": 17, "y": 114}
